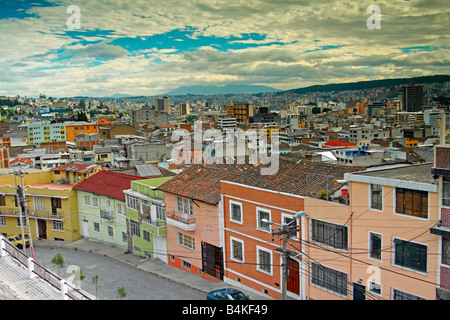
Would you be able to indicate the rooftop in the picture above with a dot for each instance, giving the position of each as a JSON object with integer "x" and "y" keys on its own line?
{"x": 413, "y": 173}
{"x": 107, "y": 183}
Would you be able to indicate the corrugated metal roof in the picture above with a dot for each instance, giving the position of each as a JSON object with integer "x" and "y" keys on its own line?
{"x": 107, "y": 183}
{"x": 147, "y": 170}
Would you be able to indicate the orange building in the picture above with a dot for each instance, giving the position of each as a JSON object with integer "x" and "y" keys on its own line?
{"x": 75, "y": 127}
{"x": 252, "y": 247}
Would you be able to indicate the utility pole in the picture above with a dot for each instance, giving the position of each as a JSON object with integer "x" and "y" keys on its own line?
{"x": 19, "y": 205}
{"x": 285, "y": 231}
{"x": 23, "y": 211}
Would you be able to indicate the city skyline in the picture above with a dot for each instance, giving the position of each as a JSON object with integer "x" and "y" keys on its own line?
{"x": 153, "y": 47}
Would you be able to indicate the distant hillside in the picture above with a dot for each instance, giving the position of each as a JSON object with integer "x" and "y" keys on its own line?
{"x": 369, "y": 84}
{"x": 227, "y": 89}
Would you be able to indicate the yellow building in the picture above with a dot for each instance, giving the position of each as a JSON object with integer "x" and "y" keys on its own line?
{"x": 51, "y": 203}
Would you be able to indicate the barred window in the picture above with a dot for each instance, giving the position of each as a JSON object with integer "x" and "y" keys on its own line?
{"x": 400, "y": 295}
{"x": 376, "y": 196}
{"x": 375, "y": 245}
{"x": 237, "y": 250}
{"x": 186, "y": 241}
{"x": 236, "y": 212}
{"x": 330, "y": 234}
{"x": 330, "y": 279}
{"x": 134, "y": 228}
{"x": 184, "y": 206}
{"x": 264, "y": 260}
{"x": 410, "y": 255}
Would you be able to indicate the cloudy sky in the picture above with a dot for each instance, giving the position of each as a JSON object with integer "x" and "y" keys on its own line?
{"x": 148, "y": 47}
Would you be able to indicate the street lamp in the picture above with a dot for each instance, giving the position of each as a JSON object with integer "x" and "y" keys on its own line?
{"x": 285, "y": 232}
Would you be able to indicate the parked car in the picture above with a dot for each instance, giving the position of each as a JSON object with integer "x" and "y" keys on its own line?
{"x": 17, "y": 241}
{"x": 226, "y": 294}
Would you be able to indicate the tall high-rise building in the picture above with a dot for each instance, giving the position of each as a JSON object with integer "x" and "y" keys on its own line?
{"x": 412, "y": 97}
{"x": 162, "y": 104}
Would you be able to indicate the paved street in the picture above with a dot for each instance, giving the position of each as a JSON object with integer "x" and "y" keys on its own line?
{"x": 113, "y": 274}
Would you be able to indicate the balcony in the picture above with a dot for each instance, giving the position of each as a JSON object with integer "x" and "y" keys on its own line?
{"x": 55, "y": 214}
{"x": 106, "y": 214}
{"x": 9, "y": 212}
{"x": 181, "y": 221}
{"x": 156, "y": 227}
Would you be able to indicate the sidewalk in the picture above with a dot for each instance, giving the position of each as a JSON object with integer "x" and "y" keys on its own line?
{"x": 152, "y": 266}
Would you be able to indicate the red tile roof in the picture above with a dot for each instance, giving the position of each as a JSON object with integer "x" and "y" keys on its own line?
{"x": 107, "y": 183}
{"x": 23, "y": 160}
{"x": 202, "y": 182}
{"x": 299, "y": 177}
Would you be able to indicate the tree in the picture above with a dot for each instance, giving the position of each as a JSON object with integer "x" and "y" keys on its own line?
{"x": 58, "y": 261}
{"x": 79, "y": 276}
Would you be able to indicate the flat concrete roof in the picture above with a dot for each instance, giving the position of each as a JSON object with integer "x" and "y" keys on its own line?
{"x": 415, "y": 173}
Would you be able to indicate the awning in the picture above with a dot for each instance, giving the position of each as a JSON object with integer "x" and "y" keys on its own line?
{"x": 440, "y": 231}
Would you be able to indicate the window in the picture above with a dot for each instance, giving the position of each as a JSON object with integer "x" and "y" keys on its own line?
{"x": 134, "y": 228}
{"x": 329, "y": 279}
{"x": 57, "y": 225}
{"x": 124, "y": 237}
{"x": 160, "y": 212}
{"x": 38, "y": 203}
{"x": 330, "y": 234}
{"x": 118, "y": 208}
{"x": 186, "y": 241}
{"x": 235, "y": 212}
{"x": 445, "y": 251}
{"x": 186, "y": 265}
{"x": 95, "y": 201}
{"x": 400, "y": 295}
{"x": 110, "y": 231}
{"x": 412, "y": 202}
{"x": 2, "y": 221}
{"x": 446, "y": 191}
{"x": 410, "y": 255}
{"x": 132, "y": 202}
{"x": 263, "y": 214}
{"x": 146, "y": 235}
{"x": 376, "y": 197}
{"x": 2, "y": 200}
{"x": 375, "y": 246}
{"x": 96, "y": 227}
{"x": 264, "y": 260}
{"x": 184, "y": 206}
{"x": 87, "y": 200}
{"x": 237, "y": 250}
{"x": 288, "y": 219}
{"x": 24, "y": 221}
{"x": 375, "y": 288}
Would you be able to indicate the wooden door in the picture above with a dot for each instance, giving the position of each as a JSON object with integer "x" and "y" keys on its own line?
{"x": 293, "y": 279}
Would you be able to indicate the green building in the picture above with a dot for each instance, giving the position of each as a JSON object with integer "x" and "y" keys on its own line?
{"x": 145, "y": 210}
{"x": 102, "y": 209}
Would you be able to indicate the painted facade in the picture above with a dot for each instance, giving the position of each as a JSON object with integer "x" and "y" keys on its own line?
{"x": 146, "y": 214}
{"x": 252, "y": 258}
{"x": 393, "y": 253}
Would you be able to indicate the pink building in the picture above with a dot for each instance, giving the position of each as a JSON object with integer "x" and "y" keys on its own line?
{"x": 193, "y": 207}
